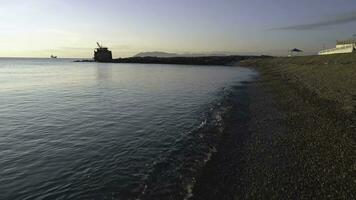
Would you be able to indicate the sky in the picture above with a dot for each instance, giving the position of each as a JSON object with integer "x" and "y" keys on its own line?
{"x": 71, "y": 28}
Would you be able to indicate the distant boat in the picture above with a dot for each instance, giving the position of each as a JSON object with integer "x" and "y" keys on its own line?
{"x": 52, "y": 56}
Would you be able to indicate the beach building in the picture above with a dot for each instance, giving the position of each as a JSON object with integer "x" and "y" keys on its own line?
{"x": 294, "y": 52}
{"x": 344, "y": 46}
{"x": 102, "y": 54}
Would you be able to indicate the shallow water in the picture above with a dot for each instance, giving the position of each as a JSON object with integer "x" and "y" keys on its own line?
{"x": 107, "y": 131}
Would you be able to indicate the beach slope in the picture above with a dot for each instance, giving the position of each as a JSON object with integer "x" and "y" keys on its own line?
{"x": 293, "y": 137}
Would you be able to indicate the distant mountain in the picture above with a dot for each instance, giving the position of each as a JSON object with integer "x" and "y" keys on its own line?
{"x": 169, "y": 55}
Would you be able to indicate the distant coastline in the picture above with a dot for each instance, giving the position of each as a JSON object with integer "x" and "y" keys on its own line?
{"x": 203, "y": 60}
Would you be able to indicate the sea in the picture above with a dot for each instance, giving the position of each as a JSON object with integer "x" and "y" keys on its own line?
{"x": 71, "y": 130}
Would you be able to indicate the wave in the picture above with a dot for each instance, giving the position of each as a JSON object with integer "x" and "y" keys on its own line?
{"x": 174, "y": 177}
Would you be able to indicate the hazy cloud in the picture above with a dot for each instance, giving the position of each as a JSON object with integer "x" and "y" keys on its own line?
{"x": 336, "y": 20}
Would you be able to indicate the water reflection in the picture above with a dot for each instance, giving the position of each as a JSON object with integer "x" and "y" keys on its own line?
{"x": 104, "y": 71}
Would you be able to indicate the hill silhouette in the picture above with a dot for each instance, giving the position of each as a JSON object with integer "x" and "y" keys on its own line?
{"x": 161, "y": 54}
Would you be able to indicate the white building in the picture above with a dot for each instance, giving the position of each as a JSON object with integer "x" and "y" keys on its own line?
{"x": 345, "y": 46}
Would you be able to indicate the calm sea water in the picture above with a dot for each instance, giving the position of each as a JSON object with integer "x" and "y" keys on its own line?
{"x": 107, "y": 131}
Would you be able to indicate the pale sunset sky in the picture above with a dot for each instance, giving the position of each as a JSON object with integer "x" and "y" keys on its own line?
{"x": 71, "y": 28}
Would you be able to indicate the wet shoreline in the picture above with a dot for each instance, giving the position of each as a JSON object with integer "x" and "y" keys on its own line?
{"x": 227, "y": 175}
{"x": 185, "y": 164}
{"x": 218, "y": 179}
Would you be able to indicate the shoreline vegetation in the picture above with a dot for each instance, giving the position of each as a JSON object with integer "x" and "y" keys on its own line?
{"x": 297, "y": 140}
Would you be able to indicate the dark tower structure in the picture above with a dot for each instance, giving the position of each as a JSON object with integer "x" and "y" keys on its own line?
{"x": 102, "y": 54}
